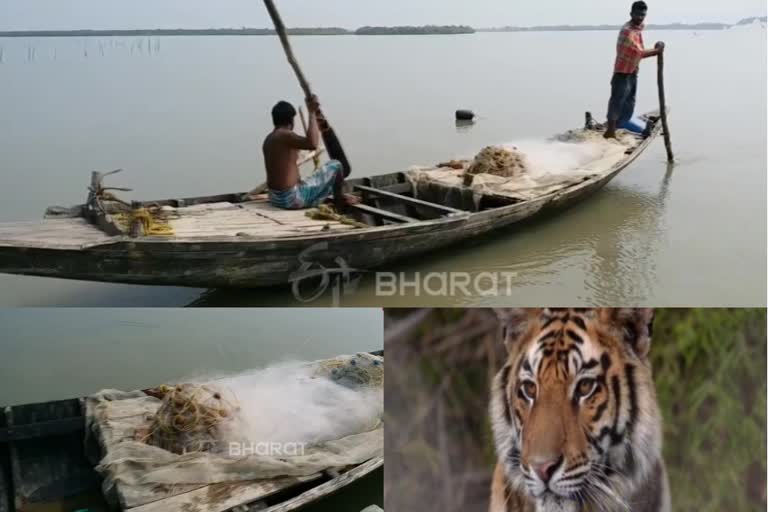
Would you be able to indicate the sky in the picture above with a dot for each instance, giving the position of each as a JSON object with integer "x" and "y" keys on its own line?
{"x": 134, "y": 14}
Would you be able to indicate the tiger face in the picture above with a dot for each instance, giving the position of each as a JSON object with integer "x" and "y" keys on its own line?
{"x": 575, "y": 419}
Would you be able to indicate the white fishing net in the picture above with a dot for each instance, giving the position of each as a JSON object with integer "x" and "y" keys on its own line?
{"x": 290, "y": 420}
{"x": 535, "y": 167}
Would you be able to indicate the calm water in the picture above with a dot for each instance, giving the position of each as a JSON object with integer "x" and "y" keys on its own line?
{"x": 186, "y": 116}
{"x": 50, "y": 354}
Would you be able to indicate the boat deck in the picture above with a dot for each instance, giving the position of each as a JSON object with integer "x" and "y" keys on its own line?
{"x": 55, "y": 233}
{"x": 252, "y": 219}
{"x": 249, "y": 220}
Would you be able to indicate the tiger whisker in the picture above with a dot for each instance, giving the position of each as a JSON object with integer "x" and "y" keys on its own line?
{"x": 610, "y": 493}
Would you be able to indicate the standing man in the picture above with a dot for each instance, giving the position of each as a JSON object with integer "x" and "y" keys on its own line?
{"x": 630, "y": 50}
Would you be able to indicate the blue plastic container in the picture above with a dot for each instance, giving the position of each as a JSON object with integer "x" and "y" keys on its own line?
{"x": 635, "y": 125}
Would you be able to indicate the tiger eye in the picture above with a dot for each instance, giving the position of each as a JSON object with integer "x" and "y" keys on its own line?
{"x": 585, "y": 386}
{"x": 529, "y": 389}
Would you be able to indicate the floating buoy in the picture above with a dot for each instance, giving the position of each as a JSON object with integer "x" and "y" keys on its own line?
{"x": 465, "y": 115}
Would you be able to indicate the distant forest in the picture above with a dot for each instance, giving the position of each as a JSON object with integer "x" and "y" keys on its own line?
{"x": 363, "y": 31}
{"x": 424, "y": 30}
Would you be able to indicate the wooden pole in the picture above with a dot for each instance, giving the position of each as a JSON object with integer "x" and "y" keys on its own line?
{"x": 330, "y": 139}
{"x": 316, "y": 155}
{"x": 282, "y": 34}
{"x": 663, "y": 107}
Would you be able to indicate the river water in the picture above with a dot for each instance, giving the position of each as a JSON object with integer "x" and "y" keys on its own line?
{"x": 186, "y": 116}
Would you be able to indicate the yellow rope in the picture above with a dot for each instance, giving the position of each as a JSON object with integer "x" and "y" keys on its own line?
{"x": 153, "y": 224}
{"x": 326, "y": 212}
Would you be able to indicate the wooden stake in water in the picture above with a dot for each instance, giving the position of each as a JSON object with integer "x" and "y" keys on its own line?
{"x": 663, "y": 107}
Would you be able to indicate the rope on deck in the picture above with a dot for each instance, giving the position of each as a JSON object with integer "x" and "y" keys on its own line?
{"x": 326, "y": 212}
{"x": 152, "y": 222}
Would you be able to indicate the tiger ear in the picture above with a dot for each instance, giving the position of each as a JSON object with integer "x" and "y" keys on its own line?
{"x": 515, "y": 322}
{"x": 635, "y": 325}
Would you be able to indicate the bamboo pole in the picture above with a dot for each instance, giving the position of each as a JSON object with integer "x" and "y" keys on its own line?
{"x": 663, "y": 107}
{"x": 280, "y": 29}
{"x": 330, "y": 139}
{"x": 316, "y": 155}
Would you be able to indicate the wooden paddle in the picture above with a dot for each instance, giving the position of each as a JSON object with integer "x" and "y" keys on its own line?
{"x": 331, "y": 141}
{"x": 663, "y": 107}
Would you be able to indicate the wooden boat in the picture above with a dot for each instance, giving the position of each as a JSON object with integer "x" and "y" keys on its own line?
{"x": 44, "y": 462}
{"x": 231, "y": 241}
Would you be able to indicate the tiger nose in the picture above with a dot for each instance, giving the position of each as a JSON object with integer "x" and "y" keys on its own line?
{"x": 545, "y": 470}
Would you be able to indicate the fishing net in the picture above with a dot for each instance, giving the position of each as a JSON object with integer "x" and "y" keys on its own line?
{"x": 623, "y": 137}
{"x": 497, "y": 161}
{"x": 190, "y": 417}
{"x": 528, "y": 170}
{"x": 353, "y": 373}
{"x": 291, "y": 420}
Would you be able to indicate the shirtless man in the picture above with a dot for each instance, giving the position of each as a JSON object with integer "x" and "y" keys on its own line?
{"x": 281, "y": 149}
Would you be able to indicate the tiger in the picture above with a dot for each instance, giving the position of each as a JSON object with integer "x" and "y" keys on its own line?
{"x": 575, "y": 419}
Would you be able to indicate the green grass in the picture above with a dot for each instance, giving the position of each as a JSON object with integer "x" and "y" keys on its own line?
{"x": 709, "y": 369}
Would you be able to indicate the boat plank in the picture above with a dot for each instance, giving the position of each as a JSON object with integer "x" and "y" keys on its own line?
{"x": 247, "y": 222}
{"x": 61, "y": 232}
{"x": 223, "y": 496}
{"x": 328, "y": 488}
{"x": 377, "y": 212}
{"x": 256, "y": 230}
{"x": 408, "y": 199}
{"x": 264, "y": 229}
{"x": 241, "y": 219}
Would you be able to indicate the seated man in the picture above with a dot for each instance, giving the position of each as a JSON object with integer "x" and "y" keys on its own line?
{"x": 281, "y": 149}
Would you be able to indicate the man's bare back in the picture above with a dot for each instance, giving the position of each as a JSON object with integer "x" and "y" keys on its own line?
{"x": 281, "y": 151}
{"x": 282, "y": 145}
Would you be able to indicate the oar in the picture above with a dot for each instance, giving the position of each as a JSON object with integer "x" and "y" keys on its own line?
{"x": 663, "y": 107}
{"x": 331, "y": 141}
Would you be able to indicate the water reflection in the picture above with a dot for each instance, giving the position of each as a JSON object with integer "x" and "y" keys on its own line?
{"x": 464, "y": 125}
{"x": 623, "y": 270}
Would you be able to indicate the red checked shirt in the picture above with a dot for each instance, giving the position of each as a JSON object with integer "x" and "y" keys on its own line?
{"x": 629, "y": 49}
